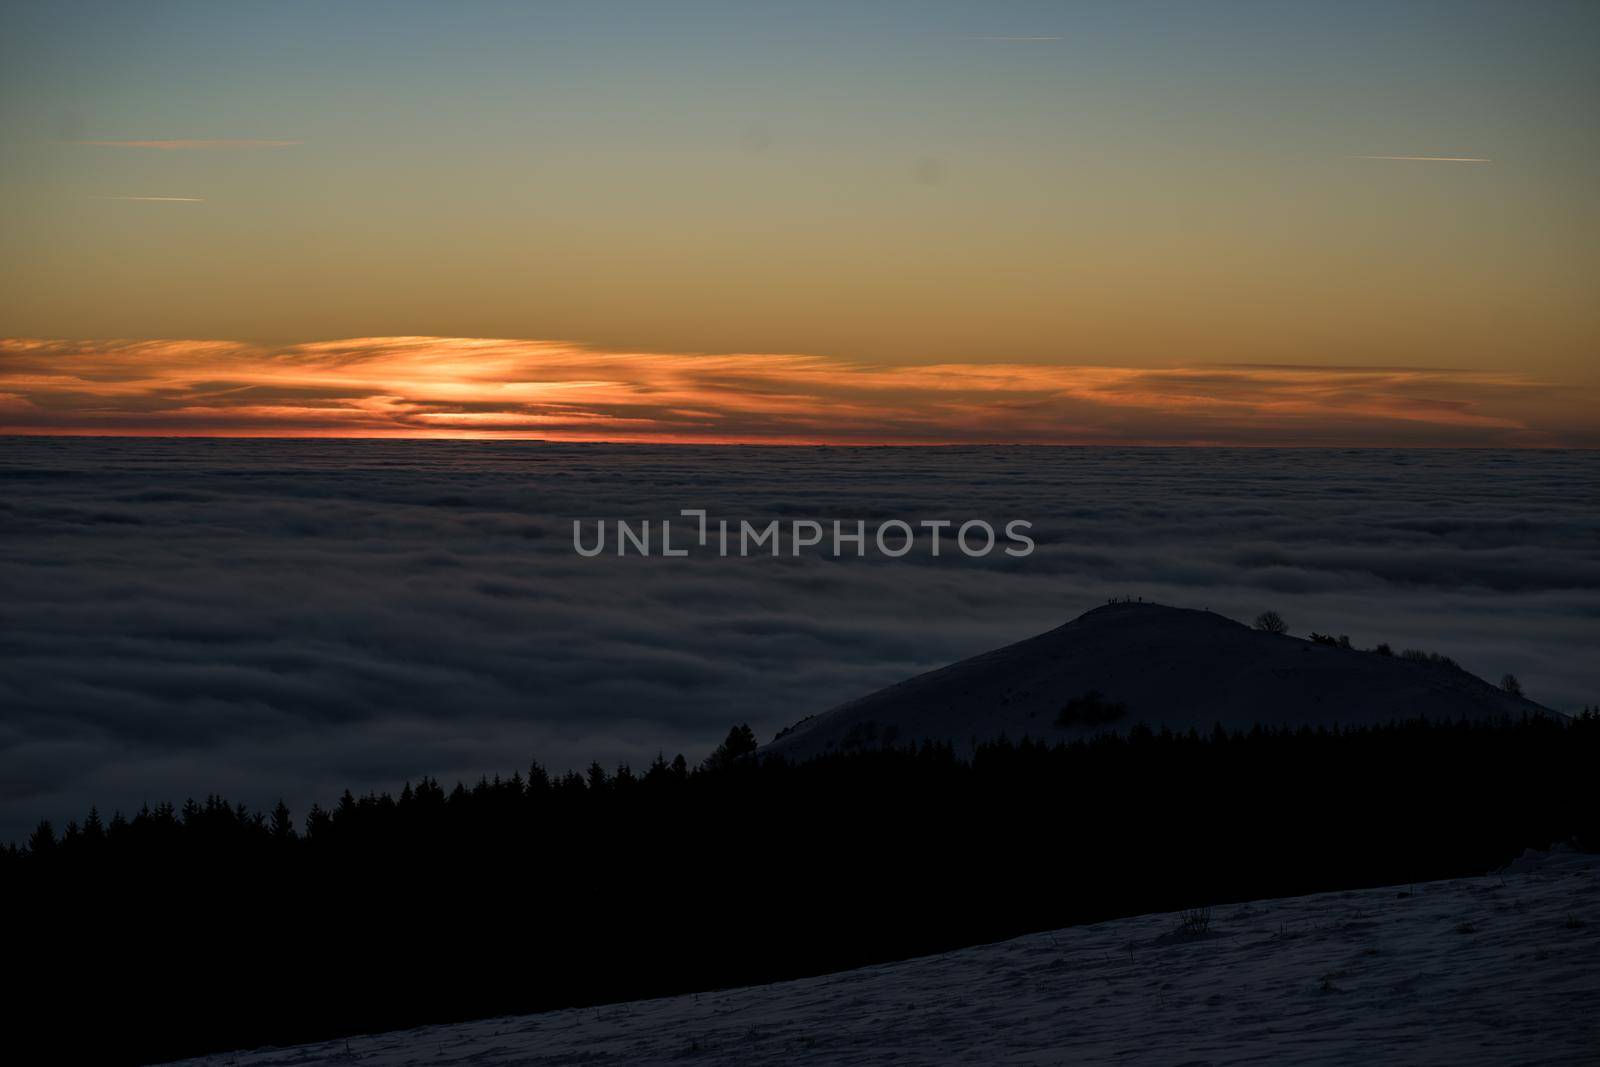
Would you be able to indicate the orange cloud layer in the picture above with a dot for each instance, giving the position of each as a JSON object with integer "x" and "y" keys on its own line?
{"x": 472, "y": 387}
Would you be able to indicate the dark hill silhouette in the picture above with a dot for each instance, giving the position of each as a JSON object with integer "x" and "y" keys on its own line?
{"x": 1126, "y": 663}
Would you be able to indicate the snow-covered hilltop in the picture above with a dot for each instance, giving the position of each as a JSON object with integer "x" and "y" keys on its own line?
{"x": 1126, "y": 663}
{"x": 1494, "y": 970}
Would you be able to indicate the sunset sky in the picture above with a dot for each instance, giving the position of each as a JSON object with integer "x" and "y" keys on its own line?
{"x": 867, "y": 222}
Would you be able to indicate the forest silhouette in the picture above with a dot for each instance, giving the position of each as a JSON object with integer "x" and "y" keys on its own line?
{"x": 182, "y": 930}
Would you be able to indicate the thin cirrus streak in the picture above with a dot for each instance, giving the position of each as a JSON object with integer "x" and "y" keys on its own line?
{"x": 157, "y": 199}
{"x": 190, "y": 144}
{"x": 481, "y": 387}
{"x": 1433, "y": 159}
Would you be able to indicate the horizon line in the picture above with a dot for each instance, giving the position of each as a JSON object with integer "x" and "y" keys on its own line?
{"x": 680, "y": 442}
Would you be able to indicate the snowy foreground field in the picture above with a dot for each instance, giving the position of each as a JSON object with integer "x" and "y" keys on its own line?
{"x": 1494, "y": 970}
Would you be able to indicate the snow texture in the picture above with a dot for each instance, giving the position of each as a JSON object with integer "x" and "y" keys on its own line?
{"x": 1494, "y": 970}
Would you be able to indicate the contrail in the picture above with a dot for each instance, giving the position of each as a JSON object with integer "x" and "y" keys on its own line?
{"x": 1019, "y": 37}
{"x": 1434, "y": 159}
{"x": 160, "y": 199}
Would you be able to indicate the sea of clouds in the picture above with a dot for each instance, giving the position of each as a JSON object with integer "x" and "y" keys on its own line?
{"x": 277, "y": 618}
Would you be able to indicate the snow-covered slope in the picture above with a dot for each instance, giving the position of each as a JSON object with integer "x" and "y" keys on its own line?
{"x": 1167, "y": 667}
{"x": 1495, "y": 970}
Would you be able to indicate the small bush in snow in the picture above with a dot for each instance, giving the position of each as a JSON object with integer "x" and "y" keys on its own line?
{"x": 1194, "y": 922}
